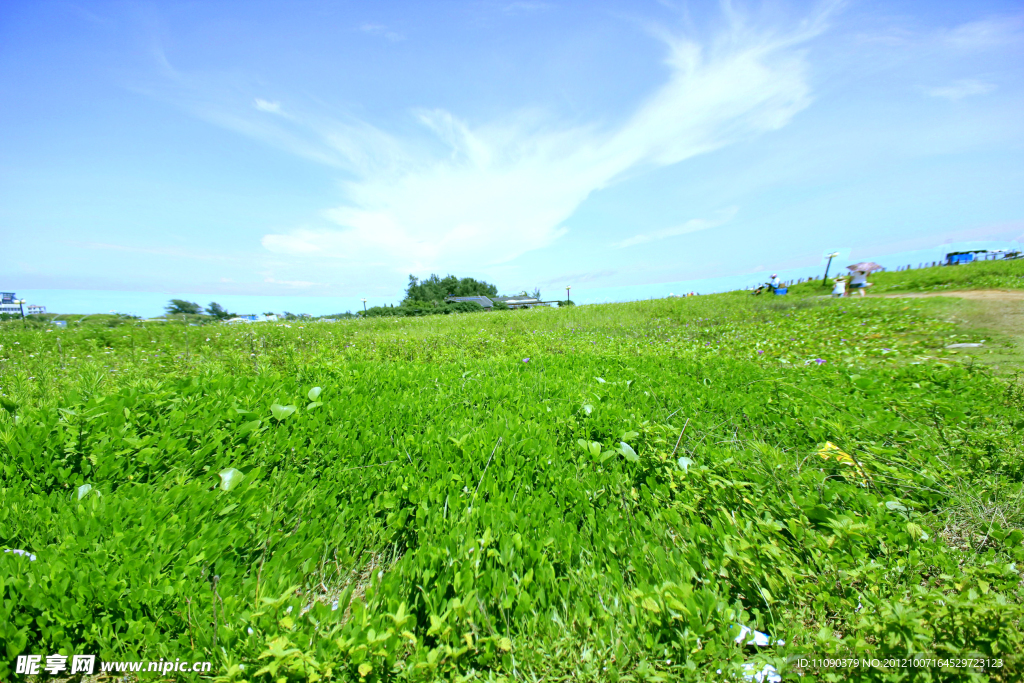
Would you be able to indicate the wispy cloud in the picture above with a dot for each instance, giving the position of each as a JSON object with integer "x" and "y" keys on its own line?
{"x": 524, "y": 176}
{"x": 692, "y": 225}
{"x": 301, "y": 284}
{"x": 269, "y": 107}
{"x": 383, "y": 31}
{"x": 957, "y": 90}
{"x": 525, "y": 7}
{"x": 159, "y": 251}
{"x": 986, "y": 33}
{"x": 488, "y": 192}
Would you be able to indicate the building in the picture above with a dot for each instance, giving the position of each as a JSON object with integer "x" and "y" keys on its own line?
{"x": 8, "y": 306}
{"x": 522, "y": 301}
{"x": 36, "y": 309}
{"x": 482, "y": 300}
{"x": 957, "y": 258}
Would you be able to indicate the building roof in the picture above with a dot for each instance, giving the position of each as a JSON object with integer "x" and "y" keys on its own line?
{"x": 482, "y": 300}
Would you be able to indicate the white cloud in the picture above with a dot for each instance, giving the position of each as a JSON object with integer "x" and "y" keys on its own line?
{"x": 290, "y": 283}
{"x": 505, "y": 188}
{"x": 381, "y": 30}
{"x": 201, "y": 255}
{"x": 692, "y": 225}
{"x": 525, "y": 6}
{"x": 485, "y": 193}
{"x": 270, "y": 107}
{"x": 957, "y": 90}
{"x": 985, "y": 33}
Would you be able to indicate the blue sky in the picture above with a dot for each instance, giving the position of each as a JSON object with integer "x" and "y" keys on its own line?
{"x": 304, "y": 155}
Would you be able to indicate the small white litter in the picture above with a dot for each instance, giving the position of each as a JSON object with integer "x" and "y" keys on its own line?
{"x": 963, "y": 346}
{"x": 748, "y": 635}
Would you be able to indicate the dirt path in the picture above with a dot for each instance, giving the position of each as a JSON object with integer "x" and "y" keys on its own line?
{"x": 997, "y": 314}
{"x": 977, "y": 294}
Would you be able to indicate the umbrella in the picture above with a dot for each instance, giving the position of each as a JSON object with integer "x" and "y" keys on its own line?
{"x": 865, "y": 266}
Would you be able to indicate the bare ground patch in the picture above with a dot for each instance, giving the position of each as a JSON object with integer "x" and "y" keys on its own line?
{"x": 977, "y": 294}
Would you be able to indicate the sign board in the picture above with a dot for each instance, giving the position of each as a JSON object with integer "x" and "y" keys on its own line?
{"x": 6, "y": 297}
{"x": 841, "y": 255}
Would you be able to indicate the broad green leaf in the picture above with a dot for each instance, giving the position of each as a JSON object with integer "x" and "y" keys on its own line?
{"x": 628, "y": 453}
{"x": 280, "y": 412}
{"x": 313, "y": 393}
{"x": 684, "y": 463}
{"x": 230, "y": 478}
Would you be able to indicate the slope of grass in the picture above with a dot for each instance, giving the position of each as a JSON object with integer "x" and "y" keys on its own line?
{"x": 980, "y": 275}
{"x": 592, "y": 493}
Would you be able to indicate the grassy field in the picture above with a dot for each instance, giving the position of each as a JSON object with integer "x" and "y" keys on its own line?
{"x": 597, "y": 493}
{"x": 979, "y": 275}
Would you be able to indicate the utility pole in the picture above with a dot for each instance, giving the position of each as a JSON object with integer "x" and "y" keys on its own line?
{"x": 364, "y": 305}
{"x": 829, "y": 265}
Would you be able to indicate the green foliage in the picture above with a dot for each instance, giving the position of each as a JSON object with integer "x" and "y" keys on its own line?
{"x": 414, "y": 309}
{"x": 217, "y": 311}
{"x": 1000, "y": 274}
{"x": 591, "y": 493}
{"x": 566, "y": 303}
{"x": 436, "y": 288}
{"x": 180, "y": 306}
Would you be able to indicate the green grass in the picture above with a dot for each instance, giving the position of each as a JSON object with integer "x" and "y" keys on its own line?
{"x": 979, "y": 275}
{"x": 457, "y": 502}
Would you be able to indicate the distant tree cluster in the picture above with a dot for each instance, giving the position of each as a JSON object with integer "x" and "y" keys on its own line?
{"x": 436, "y": 288}
{"x": 182, "y": 307}
{"x": 407, "y": 309}
{"x": 427, "y": 297}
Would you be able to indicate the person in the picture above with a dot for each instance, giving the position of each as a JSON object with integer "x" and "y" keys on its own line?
{"x": 839, "y": 289}
{"x": 775, "y": 282}
{"x": 859, "y": 281}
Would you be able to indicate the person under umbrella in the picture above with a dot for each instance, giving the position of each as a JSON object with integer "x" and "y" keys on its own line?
{"x": 859, "y": 280}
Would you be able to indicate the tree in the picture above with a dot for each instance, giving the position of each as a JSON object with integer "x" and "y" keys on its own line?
{"x": 436, "y": 288}
{"x": 536, "y": 293}
{"x": 217, "y": 311}
{"x": 179, "y": 306}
